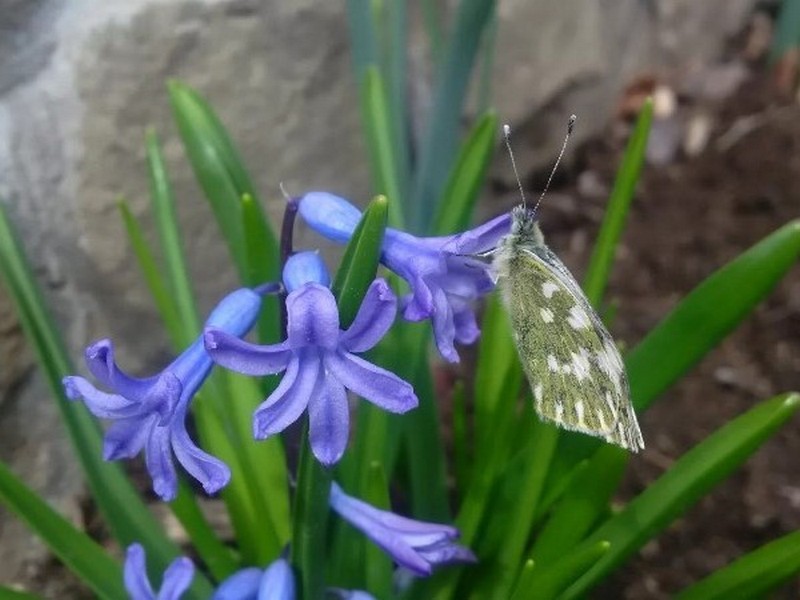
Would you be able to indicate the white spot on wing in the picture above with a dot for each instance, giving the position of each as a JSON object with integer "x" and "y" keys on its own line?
{"x": 552, "y": 363}
{"x": 580, "y": 364}
{"x": 578, "y": 319}
{"x": 549, "y": 288}
{"x": 547, "y": 315}
{"x": 537, "y": 392}
{"x": 579, "y": 412}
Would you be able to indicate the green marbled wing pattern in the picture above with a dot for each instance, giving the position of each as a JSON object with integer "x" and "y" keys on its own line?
{"x": 573, "y": 366}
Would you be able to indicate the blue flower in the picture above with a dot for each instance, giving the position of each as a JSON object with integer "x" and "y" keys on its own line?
{"x": 443, "y": 279}
{"x": 276, "y": 582}
{"x": 416, "y": 545}
{"x": 319, "y": 359}
{"x": 150, "y": 413}
{"x": 176, "y": 581}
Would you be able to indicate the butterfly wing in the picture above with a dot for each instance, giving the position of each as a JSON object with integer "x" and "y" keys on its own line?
{"x": 574, "y": 368}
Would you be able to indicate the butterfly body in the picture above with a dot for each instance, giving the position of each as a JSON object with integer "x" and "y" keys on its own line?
{"x": 574, "y": 369}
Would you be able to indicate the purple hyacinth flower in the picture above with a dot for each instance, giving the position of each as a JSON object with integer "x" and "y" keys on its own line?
{"x": 276, "y": 582}
{"x": 150, "y": 414}
{"x": 416, "y": 545}
{"x": 319, "y": 359}
{"x": 176, "y": 580}
{"x": 443, "y": 279}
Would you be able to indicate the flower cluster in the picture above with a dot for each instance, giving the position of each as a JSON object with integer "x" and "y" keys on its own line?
{"x": 320, "y": 361}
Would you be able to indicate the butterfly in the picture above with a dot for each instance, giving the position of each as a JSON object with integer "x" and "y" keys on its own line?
{"x": 575, "y": 370}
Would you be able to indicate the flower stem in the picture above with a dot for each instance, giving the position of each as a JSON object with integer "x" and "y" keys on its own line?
{"x": 310, "y": 522}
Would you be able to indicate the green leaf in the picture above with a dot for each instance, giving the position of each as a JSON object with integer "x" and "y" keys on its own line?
{"x": 360, "y": 261}
{"x": 439, "y": 145}
{"x": 467, "y": 177}
{"x": 82, "y": 555}
{"x": 583, "y": 503}
{"x": 163, "y": 203}
{"x": 218, "y": 168}
{"x": 752, "y": 575}
{"x": 690, "y": 478}
{"x": 262, "y": 266}
{"x": 618, "y": 207}
{"x": 124, "y": 512}
{"x": 377, "y": 564}
{"x": 380, "y": 141}
{"x": 545, "y": 583}
{"x": 709, "y": 313}
{"x": 152, "y": 276}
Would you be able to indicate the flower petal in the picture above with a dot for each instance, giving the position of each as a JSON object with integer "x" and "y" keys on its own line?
{"x": 135, "y": 574}
{"x": 305, "y": 267}
{"x": 313, "y": 317}
{"x": 158, "y": 458}
{"x": 126, "y": 437}
{"x": 177, "y": 579}
{"x": 242, "y": 585}
{"x": 379, "y": 386}
{"x": 446, "y": 552}
{"x": 100, "y": 404}
{"x": 374, "y": 318}
{"x": 482, "y": 238}
{"x": 100, "y": 360}
{"x": 329, "y": 215}
{"x": 277, "y": 582}
{"x": 466, "y": 326}
{"x": 285, "y": 405}
{"x": 329, "y": 420}
{"x": 236, "y": 313}
{"x": 243, "y": 357}
{"x": 210, "y": 471}
{"x": 418, "y": 305}
{"x": 444, "y": 329}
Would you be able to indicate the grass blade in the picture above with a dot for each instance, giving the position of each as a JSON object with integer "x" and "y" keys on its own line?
{"x": 439, "y": 145}
{"x": 711, "y": 311}
{"x": 749, "y": 576}
{"x": 618, "y": 206}
{"x": 122, "y": 508}
{"x": 690, "y": 478}
{"x": 468, "y": 177}
{"x": 380, "y": 142}
{"x": 82, "y": 555}
{"x": 544, "y": 584}
{"x": 218, "y": 168}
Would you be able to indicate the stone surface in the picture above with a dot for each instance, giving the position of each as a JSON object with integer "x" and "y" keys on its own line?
{"x": 80, "y": 81}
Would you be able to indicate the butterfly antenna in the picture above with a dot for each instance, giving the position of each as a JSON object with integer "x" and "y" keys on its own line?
{"x": 507, "y": 137}
{"x": 570, "y": 125}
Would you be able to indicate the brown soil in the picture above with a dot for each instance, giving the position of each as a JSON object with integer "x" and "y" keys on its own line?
{"x": 689, "y": 218}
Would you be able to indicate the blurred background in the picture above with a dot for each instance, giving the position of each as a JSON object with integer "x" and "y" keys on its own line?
{"x": 81, "y": 81}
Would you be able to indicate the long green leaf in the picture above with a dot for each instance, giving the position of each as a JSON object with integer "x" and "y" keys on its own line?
{"x": 689, "y": 479}
{"x": 752, "y": 575}
{"x": 82, "y": 555}
{"x": 711, "y": 311}
{"x": 583, "y": 503}
{"x": 163, "y": 203}
{"x": 440, "y": 140}
{"x": 618, "y": 206}
{"x": 156, "y": 285}
{"x": 544, "y": 584}
{"x": 127, "y": 516}
{"x": 380, "y": 142}
{"x": 468, "y": 176}
{"x": 218, "y": 168}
